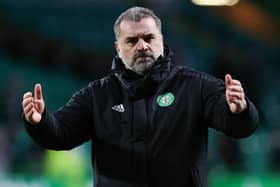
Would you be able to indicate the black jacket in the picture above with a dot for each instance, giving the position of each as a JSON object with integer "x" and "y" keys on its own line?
{"x": 146, "y": 131}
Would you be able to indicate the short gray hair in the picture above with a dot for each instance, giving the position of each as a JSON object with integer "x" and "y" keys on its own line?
{"x": 135, "y": 14}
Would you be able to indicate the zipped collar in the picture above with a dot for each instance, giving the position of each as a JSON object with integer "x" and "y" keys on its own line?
{"x": 137, "y": 85}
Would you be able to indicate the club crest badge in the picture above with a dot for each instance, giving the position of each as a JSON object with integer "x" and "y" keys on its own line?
{"x": 166, "y": 99}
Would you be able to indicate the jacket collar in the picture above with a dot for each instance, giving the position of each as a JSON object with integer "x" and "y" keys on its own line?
{"x": 140, "y": 85}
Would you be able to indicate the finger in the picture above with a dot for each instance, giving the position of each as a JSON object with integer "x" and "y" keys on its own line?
{"x": 236, "y": 95}
{"x": 27, "y": 95}
{"x": 236, "y": 88}
{"x": 236, "y": 82}
{"x": 228, "y": 79}
{"x": 28, "y": 108}
{"x": 27, "y": 101}
{"x": 238, "y": 102}
{"x": 28, "y": 116}
{"x": 38, "y": 103}
{"x": 38, "y": 91}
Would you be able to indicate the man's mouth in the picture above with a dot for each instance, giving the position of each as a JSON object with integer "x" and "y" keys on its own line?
{"x": 144, "y": 59}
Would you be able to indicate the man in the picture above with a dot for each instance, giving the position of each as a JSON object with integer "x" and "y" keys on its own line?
{"x": 148, "y": 120}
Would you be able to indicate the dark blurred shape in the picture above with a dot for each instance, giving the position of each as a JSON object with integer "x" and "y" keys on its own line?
{"x": 242, "y": 64}
{"x": 228, "y": 152}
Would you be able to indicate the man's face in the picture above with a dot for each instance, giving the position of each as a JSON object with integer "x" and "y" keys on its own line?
{"x": 139, "y": 44}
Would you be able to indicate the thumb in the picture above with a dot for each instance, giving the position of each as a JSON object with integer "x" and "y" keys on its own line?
{"x": 228, "y": 79}
{"x": 38, "y": 91}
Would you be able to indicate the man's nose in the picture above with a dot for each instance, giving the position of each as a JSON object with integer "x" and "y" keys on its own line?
{"x": 142, "y": 45}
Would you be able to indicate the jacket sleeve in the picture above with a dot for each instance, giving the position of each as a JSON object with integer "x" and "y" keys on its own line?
{"x": 68, "y": 127}
{"x": 219, "y": 116}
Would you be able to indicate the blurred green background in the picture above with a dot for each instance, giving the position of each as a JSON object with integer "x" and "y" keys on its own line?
{"x": 65, "y": 44}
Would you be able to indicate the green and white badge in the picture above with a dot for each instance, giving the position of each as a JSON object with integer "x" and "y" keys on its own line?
{"x": 166, "y": 99}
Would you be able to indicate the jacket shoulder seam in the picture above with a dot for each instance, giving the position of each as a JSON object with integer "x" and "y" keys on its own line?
{"x": 102, "y": 81}
{"x": 185, "y": 71}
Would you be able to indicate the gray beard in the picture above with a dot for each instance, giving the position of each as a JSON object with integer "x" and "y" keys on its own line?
{"x": 142, "y": 67}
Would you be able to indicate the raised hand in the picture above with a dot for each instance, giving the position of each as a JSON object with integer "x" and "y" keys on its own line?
{"x": 235, "y": 95}
{"x": 33, "y": 107}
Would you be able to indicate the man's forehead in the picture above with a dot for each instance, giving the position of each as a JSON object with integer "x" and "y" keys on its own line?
{"x": 145, "y": 26}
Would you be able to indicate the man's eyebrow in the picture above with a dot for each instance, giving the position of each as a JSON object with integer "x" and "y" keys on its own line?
{"x": 131, "y": 37}
{"x": 139, "y": 36}
{"x": 149, "y": 35}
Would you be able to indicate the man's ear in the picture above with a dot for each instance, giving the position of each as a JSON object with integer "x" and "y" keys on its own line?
{"x": 117, "y": 47}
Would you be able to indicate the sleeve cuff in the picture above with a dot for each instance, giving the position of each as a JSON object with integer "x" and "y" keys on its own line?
{"x": 30, "y": 125}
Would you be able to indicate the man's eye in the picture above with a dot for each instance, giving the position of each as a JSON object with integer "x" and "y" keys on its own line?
{"x": 148, "y": 39}
{"x": 132, "y": 41}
